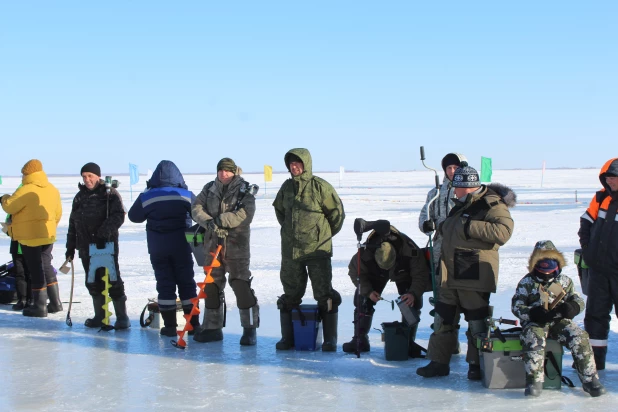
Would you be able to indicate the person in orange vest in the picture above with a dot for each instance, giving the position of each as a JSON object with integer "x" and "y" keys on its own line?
{"x": 598, "y": 237}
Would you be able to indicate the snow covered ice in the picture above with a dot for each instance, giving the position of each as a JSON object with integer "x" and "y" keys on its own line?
{"x": 50, "y": 366}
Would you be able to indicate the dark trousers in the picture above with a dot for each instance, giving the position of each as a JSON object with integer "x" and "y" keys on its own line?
{"x": 38, "y": 260}
{"x": 602, "y": 297}
{"x": 173, "y": 270}
{"x": 23, "y": 282}
{"x": 116, "y": 291}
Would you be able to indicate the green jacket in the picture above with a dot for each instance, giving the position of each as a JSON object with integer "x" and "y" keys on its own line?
{"x": 472, "y": 234}
{"x": 309, "y": 211}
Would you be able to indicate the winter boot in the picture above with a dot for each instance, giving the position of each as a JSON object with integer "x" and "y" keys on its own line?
{"x": 55, "y": 304}
{"x": 534, "y": 389}
{"x": 287, "y": 331}
{"x": 20, "y": 305}
{"x": 194, "y": 321}
{"x": 474, "y": 372}
{"x": 594, "y": 388}
{"x": 363, "y": 325}
{"x": 329, "y": 326}
{"x": 170, "y": 325}
{"x": 208, "y": 335}
{"x": 600, "y": 352}
{"x": 38, "y": 309}
{"x": 433, "y": 369}
{"x": 97, "y": 321}
{"x": 248, "y": 337}
{"x": 122, "y": 320}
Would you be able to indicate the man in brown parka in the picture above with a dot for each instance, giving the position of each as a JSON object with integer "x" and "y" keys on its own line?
{"x": 475, "y": 229}
{"x": 225, "y": 208}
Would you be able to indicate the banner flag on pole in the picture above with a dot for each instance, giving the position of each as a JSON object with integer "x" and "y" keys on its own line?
{"x": 268, "y": 173}
{"x": 133, "y": 174}
{"x": 486, "y": 169}
{"x": 0, "y": 180}
{"x": 133, "y": 177}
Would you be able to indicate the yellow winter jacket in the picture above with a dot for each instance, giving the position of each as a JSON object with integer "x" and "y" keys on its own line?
{"x": 36, "y": 210}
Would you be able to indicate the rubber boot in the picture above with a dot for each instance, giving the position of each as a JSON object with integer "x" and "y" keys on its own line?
{"x": 38, "y": 309}
{"x": 214, "y": 320}
{"x": 287, "y": 331}
{"x": 209, "y": 335}
{"x": 53, "y": 293}
{"x": 414, "y": 349}
{"x": 594, "y": 388}
{"x": 170, "y": 326}
{"x": 329, "y": 326}
{"x": 195, "y": 319}
{"x": 600, "y": 353}
{"x": 364, "y": 325}
{"x": 122, "y": 319}
{"x": 433, "y": 369}
{"x": 97, "y": 321}
{"x": 534, "y": 389}
{"x": 249, "y": 337}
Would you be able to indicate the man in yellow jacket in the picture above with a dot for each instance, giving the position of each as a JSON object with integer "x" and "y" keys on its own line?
{"x": 36, "y": 209}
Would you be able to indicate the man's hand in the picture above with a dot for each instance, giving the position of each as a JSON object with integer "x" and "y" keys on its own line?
{"x": 210, "y": 225}
{"x": 568, "y": 309}
{"x": 220, "y": 232}
{"x": 539, "y": 314}
{"x": 408, "y": 299}
{"x": 70, "y": 254}
{"x": 375, "y": 296}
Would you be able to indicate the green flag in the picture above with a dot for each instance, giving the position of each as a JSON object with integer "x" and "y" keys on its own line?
{"x": 0, "y": 180}
{"x": 486, "y": 169}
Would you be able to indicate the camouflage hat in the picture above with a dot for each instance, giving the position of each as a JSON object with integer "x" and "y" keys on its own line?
{"x": 385, "y": 256}
{"x": 227, "y": 164}
{"x": 545, "y": 245}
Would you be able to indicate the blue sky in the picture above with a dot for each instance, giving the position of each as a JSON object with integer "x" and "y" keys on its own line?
{"x": 361, "y": 84}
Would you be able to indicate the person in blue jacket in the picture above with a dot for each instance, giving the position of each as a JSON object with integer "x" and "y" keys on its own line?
{"x": 166, "y": 206}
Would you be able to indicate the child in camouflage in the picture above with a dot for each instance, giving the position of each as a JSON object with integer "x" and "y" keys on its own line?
{"x": 542, "y": 318}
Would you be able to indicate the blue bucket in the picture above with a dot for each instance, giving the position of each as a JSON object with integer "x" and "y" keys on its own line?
{"x": 307, "y": 328}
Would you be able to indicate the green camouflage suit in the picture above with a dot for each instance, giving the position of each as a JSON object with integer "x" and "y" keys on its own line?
{"x": 565, "y": 331}
{"x": 310, "y": 214}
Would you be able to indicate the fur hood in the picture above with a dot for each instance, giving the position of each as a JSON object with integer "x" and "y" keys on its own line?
{"x": 507, "y": 195}
{"x": 539, "y": 254}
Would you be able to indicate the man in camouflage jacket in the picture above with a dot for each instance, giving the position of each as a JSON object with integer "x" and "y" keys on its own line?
{"x": 539, "y": 323}
{"x": 225, "y": 208}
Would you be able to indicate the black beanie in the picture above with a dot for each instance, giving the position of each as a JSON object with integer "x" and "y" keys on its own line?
{"x": 450, "y": 159}
{"x": 91, "y": 168}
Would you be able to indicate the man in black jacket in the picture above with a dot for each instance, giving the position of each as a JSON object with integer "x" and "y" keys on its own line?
{"x": 598, "y": 237}
{"x": 96, "y": 215}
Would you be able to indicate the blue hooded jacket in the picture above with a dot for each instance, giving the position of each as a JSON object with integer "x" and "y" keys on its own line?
{"x": 166, "y": 206}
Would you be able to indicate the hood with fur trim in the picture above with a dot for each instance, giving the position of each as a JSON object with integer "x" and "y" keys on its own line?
{"x": 539, "y": 254}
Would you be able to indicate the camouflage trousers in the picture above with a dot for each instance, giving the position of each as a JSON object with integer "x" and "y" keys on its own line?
{"x": 294, "y": 276}
{"x": 214, "y": 316}
{"x": 565, "y": 331}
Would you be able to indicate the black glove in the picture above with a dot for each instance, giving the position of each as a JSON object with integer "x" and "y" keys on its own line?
{"x": 428, "y": 226}
{"x": 100, "y": 242}
{"x": 211, "y": 226}
{"x": 539, "y": 314}
{"x": 70, "y": 254}
{"x": 569, "y": 309}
